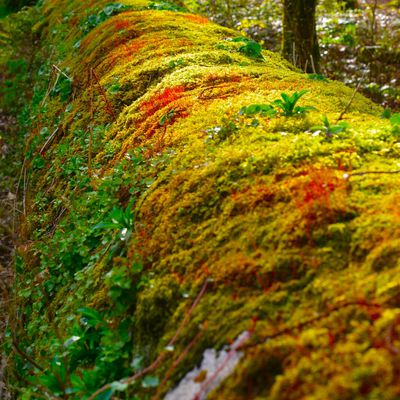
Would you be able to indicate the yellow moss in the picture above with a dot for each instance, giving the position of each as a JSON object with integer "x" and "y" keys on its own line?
{"x": 268, "y": 211}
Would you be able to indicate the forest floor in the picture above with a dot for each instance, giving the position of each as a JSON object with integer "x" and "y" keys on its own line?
{"x": 7, "y": 220}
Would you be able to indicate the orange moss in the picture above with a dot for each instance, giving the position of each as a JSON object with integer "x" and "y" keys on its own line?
{"x": 319, "y": 194}
{"x": 120, "y": 25}
{"x": 198, "y": 19}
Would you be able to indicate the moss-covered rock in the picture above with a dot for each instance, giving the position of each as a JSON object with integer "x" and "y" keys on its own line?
{"x": 147, "y": 185}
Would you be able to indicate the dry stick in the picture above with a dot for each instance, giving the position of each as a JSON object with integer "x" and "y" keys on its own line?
{"x": 48, "y": 91}
{"x": 161, "y": 357}
{"x": 294, "y": 54}
{"x": 341, "y": 115}
{"x": 62, "y": 72}
{"x": 55, "y": 83}
{"x": 16, "y": 196}
{"x": 25, "y": 356}
{"x": 305, "y": 66}
{"x": 24, "y": 193}
{"x": 109, "y": 107}
{"x": 348, "y": 176}
{"x": 91, "y": 122}
{"x": 312, "y": 64}
{"x": 301, "y": 325}
{"x": 48, "y": 140}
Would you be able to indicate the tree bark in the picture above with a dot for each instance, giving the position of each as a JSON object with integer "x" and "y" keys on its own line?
{"x": 351, "y": 4}
{"x": 300, "y": 42}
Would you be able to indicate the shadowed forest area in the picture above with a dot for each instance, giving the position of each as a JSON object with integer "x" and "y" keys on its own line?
{"x": 199, "y": 199}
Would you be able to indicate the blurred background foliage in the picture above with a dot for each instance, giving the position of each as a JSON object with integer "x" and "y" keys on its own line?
{"x": 10, "y": 6}
{"x": 359, "y": 40}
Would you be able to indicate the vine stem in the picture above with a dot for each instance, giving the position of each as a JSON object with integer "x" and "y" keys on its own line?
{"x": 90, "y": 123}
{"x": 176, "y": 363}
{"x": 163, "y": 354}
{"x": 233, "y": 349}
{"x": 301, "y": 325}
{"x": 346, "y": 109}
{"x": 348, "y": 176}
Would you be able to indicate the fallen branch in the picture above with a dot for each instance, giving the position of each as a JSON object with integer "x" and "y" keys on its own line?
{"x": 310, "y": 321}
{"x": 348, "y": 176}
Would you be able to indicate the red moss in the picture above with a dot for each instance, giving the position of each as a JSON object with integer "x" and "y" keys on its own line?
{"x": 162, "y": 99}
{"x": 133, "y": 48}
{"x": 121, "y": 25}
{"x": 319, "y": 194}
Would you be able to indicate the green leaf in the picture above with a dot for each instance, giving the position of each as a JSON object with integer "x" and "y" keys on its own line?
{"x": 165, "y": 6}
{"x": 137, "y": 363}
{"x": 150, "y": 381}
{"x": 71, "y": 340}
{"x": 387, "y": 113}
{"x": 317, "y": 77}
{"x": 336, "y": 129}
{"x": 253, "y": 109}
{"x": 252, "y": 49}
{"x": 395, "y": 119}
{"x": 325, "y": 121}
{"x": 106, "y": 395}
{"x": 93, "y": 317}
{"x": 240, "y": 39}
{"x": 38, "y": 162}
{"x": 118, "y": 386}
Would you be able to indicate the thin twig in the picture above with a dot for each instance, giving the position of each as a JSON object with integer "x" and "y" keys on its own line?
{"x": 228, "y": 357}
{"x": 62, "y": 72}
{"x": 90, "y": 123}
{"x": 109, "y": 107}
{"x": 163, "y": 354}
{"x": 341, "y": 115}
{"x": 310, "y": 321}
{"x": 312, "y": 64}
{"x": 348, "y": 176}
{"x": 176, "y": 363}
{"x": 25, "y": 356}
{"x": 16, "y": 197}
{"x": 48, "y": 91}
{"x": 24, "y": 193}
{"x": 48, "y": 140}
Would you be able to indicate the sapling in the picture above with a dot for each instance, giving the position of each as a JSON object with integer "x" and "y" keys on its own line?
{"x": 329, "y": 129}
{"x": 288, "y": 104}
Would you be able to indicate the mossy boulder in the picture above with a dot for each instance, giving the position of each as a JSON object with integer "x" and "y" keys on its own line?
{"x": 161, "y": 221}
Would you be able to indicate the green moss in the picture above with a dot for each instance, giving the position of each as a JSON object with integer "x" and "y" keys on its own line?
{"x": 182, "y": 188}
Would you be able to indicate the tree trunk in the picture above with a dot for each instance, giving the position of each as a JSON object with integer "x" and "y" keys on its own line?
{"x": 351, "y": 4}
{"x": 300, "y": 43}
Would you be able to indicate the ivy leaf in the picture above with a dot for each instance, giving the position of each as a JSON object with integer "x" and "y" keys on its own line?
{"x": 118, "y": 386}
{"x": 150, "y": 381}
{"x": 395, "y": 119}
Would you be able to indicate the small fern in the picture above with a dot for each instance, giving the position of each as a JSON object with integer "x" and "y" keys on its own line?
{"x": 287, "y": 104}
